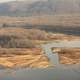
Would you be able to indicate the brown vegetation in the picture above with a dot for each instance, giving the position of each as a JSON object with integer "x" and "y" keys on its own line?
{"x": 18, "y": 47}
{"x": 32, "y": 34}
{"x": 61, "y": 20}
{"x": 26, "y": 38}
{"x": 68, "y": 56}
{"x": 20, "y": 37}
{"x": 63, "y": 37}
{"x": 23, "y": 58}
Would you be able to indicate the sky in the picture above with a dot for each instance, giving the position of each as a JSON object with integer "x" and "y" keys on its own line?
{"x": 5, "y": 0}
{"x": 1, "y": 1}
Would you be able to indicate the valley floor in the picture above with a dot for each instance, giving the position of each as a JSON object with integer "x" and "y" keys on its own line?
{"x": 20, "y": 47}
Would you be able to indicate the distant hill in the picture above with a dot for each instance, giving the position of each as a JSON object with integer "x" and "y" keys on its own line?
{"x": 41, "y": 7}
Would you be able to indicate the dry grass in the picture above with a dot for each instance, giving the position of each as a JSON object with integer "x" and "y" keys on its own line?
{"x": 68, "y": 56}
{"x": 23, "y": 58}
{"x": 28, "y": 38}
{"x": 63, "y": 37}
{"x": 33, "y": 34}
{"x": 30, "y": 56}
{"x": 20, "y": 37}
{"x": 18, "y": 49}
{"x": 62, "y": 20}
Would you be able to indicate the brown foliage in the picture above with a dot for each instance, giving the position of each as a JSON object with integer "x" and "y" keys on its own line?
{"x": 20, "y": 37}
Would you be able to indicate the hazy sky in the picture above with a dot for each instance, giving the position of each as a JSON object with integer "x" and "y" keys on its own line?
{"x": 1, "y": 1}
{"x": 5, "y": 0}
{"x": 17, "y": 0}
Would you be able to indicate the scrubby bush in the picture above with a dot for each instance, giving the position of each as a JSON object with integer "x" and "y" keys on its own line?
{"x": 13, "y": 42}
{"x": 20, "y": 37}
{"x": 36, "y": 34}
{"x": 20, "y": 43}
